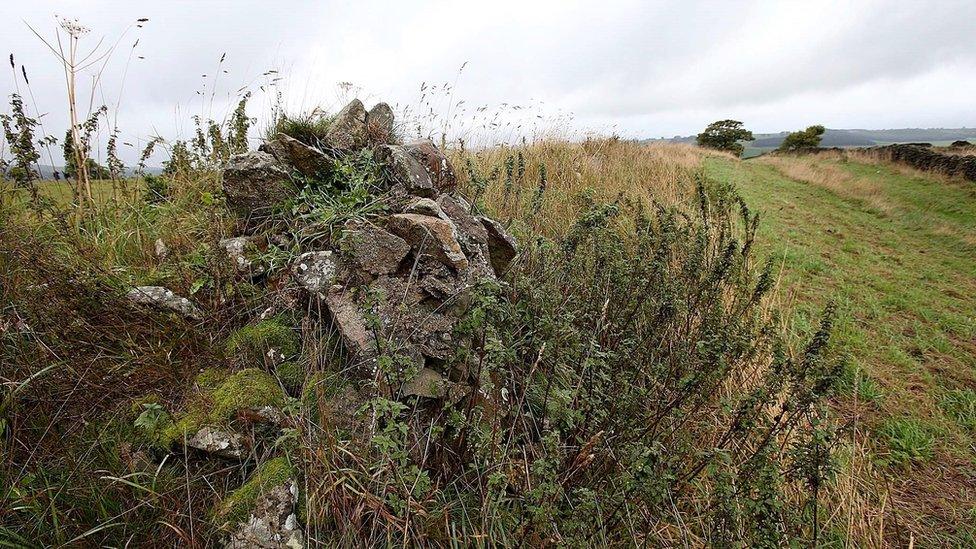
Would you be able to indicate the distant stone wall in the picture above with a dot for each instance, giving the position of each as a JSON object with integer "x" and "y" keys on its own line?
{"x": 928, "y": 159}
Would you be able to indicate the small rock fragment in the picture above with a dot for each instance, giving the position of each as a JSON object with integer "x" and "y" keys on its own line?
{"x": 236, "y": 250}
{"x": 160, "y": 248}
{"x": 219, "y": 443}
{"x": 164, "y": 299}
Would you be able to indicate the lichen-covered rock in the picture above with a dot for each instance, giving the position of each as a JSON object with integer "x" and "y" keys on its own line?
{"x": 379, "y": 123}
{"x": 430, "y": 235}
{"x": 435, "y": 163}
{"x": 374, "y": 250}
{"x": 219, "y": 443}
{"x": 306, "y": 159}
{"x": 424, "y": 206}
{"x": 471, "y": 234}
{"x": 263, "y": 511}
{"x": 405, "y": 170}
{"x": 501, "y": 245}
{"x": 347, "y": 132}
{"x": 468, "y": 226}
{"x": 316, "y": 272}
{"x": 163, "y": 299}
{"x": 237, "y": 248}
{"x": 254, "y": 183}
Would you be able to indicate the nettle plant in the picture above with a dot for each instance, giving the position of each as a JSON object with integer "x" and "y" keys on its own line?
{"x": 640, "y": 370}
{"x": 631, "y": 382}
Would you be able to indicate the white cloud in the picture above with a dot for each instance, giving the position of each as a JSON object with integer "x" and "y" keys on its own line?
{"x": 640, "y": 68}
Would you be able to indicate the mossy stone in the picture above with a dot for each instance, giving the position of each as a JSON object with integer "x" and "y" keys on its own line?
{"x": 238, "y": 505}
{"x": 217, "y": 405}
{"x": 252, "y": 344}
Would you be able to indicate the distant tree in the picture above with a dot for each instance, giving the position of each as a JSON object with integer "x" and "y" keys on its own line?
{"x": 803, "y": 139}
{"x": 724, "y": 135}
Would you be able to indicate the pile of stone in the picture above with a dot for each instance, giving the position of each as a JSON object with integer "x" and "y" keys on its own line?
{"x": 409, "y": 269}
{"x": 397, "y": 283}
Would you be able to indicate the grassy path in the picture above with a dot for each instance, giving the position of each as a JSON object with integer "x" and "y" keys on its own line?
{"x": 897, "y": 253}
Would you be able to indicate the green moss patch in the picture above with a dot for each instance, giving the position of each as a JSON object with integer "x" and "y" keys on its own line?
{"x": 291, "y": 375}
{"x": 251, "y": 344}
{"x": 220, "y": 398}
{"x": 237, "y": 506}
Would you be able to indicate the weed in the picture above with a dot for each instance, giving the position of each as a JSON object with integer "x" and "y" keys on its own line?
{"x": 960, "y": 405}
{"x": 907, "y": 441}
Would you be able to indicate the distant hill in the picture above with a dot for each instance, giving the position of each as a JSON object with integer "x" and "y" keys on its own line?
{"x": 47, "y": 171}
{"x": 857, "y": 138}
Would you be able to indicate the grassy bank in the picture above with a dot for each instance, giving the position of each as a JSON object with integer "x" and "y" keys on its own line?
{"x": 896, "y": 250}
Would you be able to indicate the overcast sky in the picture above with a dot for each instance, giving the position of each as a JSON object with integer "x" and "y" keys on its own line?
{"x": 639, "y": 69}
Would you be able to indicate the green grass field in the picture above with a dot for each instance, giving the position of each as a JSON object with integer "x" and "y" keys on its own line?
{"x": 897, "y": 253}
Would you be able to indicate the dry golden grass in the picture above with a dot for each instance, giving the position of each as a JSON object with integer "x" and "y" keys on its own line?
{"x": 605, "y": 168}
{"x": 814, "y": 170}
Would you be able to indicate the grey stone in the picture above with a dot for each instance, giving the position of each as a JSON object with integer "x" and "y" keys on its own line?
{"x": 218, "y": 443}
{"x": 163, "y": 299}
{"x": 272, "y": 523}
{"x": 375, "y": 250}
{"x": 405, "y": 170}
{"x": 434, "y": 162}
{"x": 316, "y": 272}
{"x": 470, "y": 229}
{"x": 253, "y": 183}
{"x": 501, "y": 245}
{"x": 306, "y": 159}
{"x": 347, "y": 132}
{"x": 379, "y": 123}
{"x": 430, "y": 235}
